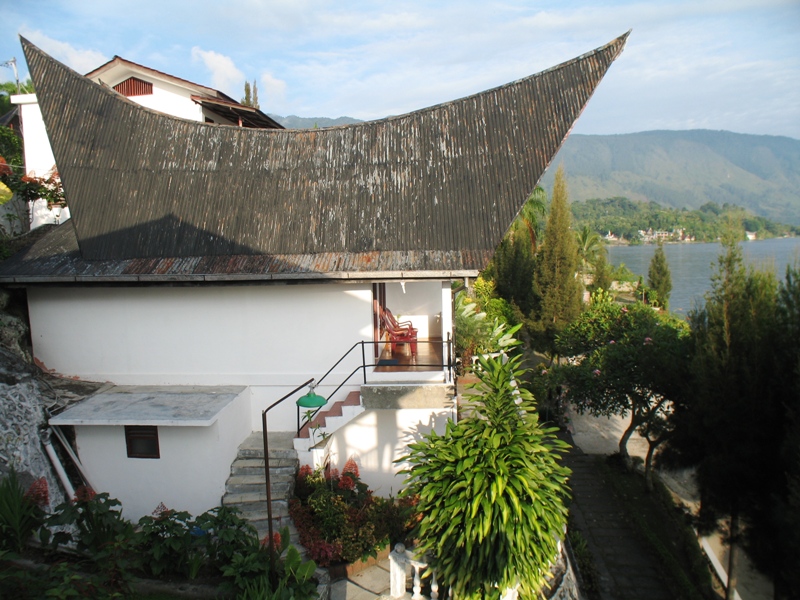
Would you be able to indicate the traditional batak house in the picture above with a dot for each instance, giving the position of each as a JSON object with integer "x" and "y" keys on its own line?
{"x": 208, "y": 271}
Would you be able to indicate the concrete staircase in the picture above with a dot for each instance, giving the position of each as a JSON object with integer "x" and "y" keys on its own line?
{"x": 313, "y": 434}
{"x": 246, "y": 487}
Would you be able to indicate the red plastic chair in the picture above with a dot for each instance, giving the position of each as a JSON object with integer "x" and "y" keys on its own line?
{"x": 399, "y": 335}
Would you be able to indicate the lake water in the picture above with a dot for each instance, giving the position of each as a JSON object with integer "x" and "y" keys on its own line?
{"x": 691, "y": 264}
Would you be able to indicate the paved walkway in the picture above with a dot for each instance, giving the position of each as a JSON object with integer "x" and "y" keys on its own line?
{"x": 627, "y": 570}
{"x": 366, "y": 585}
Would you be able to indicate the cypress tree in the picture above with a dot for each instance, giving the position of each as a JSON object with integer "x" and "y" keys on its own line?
{"x": 602, "y": 271}
{"x": 559, "y": 290}
{"x": 659, "y": 277}
{"x": 247, "y": 101}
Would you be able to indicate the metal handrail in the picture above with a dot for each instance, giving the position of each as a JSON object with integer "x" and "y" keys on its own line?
{"x": 363, "y": 366}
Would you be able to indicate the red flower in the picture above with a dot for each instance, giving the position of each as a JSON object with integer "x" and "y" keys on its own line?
{"x": 346, "y": 482}
{"x": 38, "y": 493}
{"x": 160, "y": 511}
{"x": 350, "y": 468}
{"x": 276, "y": 540}
{"x": 4, "y": 168}
{"x": 84, "y": 493}
{"x": 305, "y": 471}
{"x": 331, "y": 473}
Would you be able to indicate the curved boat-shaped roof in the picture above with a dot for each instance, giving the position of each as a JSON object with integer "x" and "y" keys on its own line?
{"x": 431, "y": 191}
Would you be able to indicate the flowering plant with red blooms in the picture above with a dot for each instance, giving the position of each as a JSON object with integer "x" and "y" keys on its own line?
{"x": 39, "y": 493}
{"x": 338, "y": 518}
{"x": 350, "y": 468}
{"x": 84, "y": 493}
{"x": 276, "y": 540}
{"x": 4, "y": 168}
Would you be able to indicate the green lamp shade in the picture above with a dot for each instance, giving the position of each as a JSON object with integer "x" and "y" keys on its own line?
{"x": 311, "y": 400}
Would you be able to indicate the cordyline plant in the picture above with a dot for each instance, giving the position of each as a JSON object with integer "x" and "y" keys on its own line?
{"x": 492, "y": 494}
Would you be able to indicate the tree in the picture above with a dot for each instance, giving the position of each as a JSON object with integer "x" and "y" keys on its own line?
{"x": 602, "y": 271}
{"x": 529, "y": 217}
{"x": 250, "y": 94}
{"x": 492, "y": 494}
{"x": 8, "y": 89}
{"x": 734, "y": 427}
{"x": 625, "y": 360}
{"x": 659, "y": 277}
{"x": 558, "y": 288}
{"x": 590, "y": 246}
{"x": 513, "y": 262}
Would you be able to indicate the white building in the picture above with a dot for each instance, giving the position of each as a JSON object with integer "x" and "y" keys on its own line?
{"x": 209, "y": 271}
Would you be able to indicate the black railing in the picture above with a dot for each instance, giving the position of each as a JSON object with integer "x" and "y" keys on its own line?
{"x": 446, "y": 364}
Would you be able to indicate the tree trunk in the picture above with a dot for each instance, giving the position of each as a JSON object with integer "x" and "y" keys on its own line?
{"x": 730, "y": 590}
{"x": 623, "y": 441}
{"x": 648, "y": 463}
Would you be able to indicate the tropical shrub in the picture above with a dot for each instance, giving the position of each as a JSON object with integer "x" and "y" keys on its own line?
{"x": 492, "y": 496}
{"x": 21, "y": 513}
{"x": 292, "y": 578}
{"x": 97, "y": 517}
{"x": 339, "y": 519}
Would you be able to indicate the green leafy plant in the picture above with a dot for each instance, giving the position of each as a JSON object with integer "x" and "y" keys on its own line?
{"x": 226, "y": 535}
{"x": 21, "y": 514}
{"x": 291, "y": 578}
{"x": 97, "y": 517}
{"x": 294, "y": 581}
{"x": 167, "y": 543}
{"x": 492, "y": 496}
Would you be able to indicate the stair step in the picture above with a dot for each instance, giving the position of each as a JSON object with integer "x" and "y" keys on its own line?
{"x": 255, "y": 466}
{"x": 250, "y": 502}
{"x": 280, "y": 490}
{"x": 258, "y": 452}
{"x": 337, "y": 410}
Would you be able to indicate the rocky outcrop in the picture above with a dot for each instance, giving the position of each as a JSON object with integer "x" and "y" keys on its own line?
{"x": 26, "y": 397}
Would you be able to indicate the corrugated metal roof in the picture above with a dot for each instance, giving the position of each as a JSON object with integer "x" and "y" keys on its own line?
{"x": 432, "y": 190}
{"x": 56, "y": 259}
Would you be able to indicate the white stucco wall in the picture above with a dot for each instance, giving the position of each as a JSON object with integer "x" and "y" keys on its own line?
{"x": 376, "y": 437}
{"x": 271, "y": 337}
{"x": 190, "y": 475}
{"x": 39, "y": 159}
{"x": 169, "y": 99}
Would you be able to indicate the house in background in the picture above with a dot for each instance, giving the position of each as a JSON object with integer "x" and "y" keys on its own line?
{"x": 208, "y": 271}
{"x": 147, "y": 87}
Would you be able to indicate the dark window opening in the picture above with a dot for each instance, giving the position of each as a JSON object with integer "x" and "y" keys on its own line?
{"x": 142, "y": 441}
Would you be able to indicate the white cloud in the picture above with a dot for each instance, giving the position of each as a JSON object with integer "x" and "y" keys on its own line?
{"x": 82, "y": 61}
{"x": 272, "y": 95}
{"x": 224, "y": 74}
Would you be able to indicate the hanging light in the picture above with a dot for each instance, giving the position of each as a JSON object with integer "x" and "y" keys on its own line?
{"x": 311, "y": 399}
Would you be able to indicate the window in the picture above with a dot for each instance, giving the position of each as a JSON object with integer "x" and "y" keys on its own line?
{"x": 142, "y": 441}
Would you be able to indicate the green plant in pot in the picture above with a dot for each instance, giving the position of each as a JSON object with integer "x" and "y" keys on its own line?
{"x": 492, "y": 496}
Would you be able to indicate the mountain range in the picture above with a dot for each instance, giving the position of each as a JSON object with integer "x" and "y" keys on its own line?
{"x": 678, "y": 169}
{"x": 686, "y": 169}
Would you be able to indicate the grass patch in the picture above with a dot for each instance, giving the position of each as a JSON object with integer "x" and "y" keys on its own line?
{"x": 666, "y": 529}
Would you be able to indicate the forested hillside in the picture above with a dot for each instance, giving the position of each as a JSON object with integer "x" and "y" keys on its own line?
{"x": 686, "y": 169}
{"x": 625, "y": 218}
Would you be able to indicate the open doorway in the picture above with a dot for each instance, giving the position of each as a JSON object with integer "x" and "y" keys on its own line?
{"x": 416, "y": 309}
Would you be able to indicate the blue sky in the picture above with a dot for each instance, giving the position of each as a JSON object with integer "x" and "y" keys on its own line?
{"x": 712, "y": 64}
